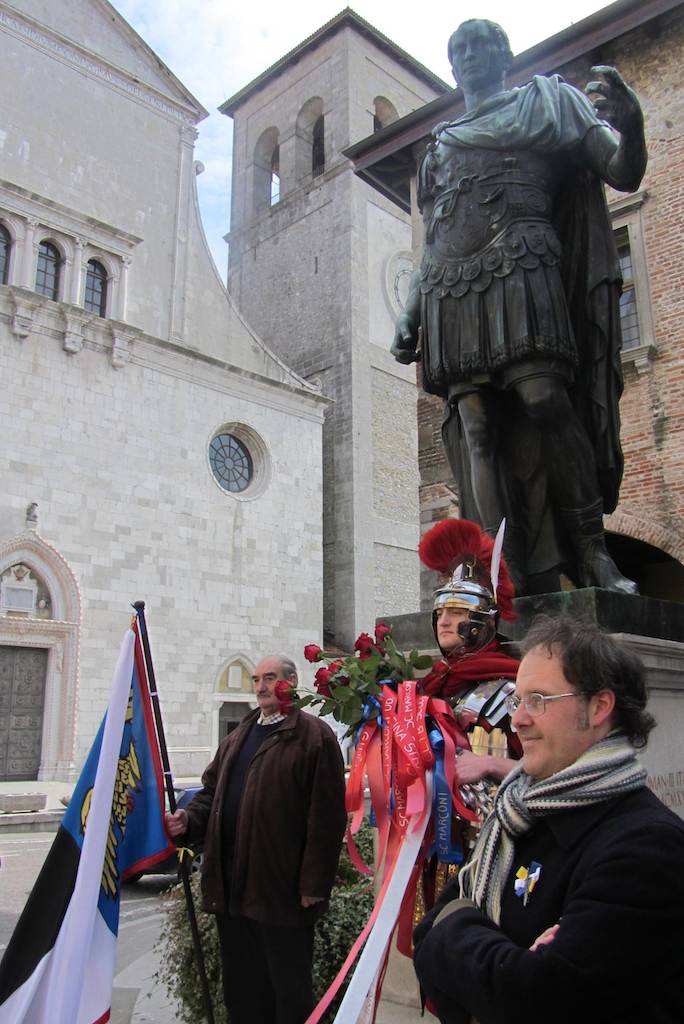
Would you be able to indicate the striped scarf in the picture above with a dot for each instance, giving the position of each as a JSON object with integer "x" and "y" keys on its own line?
{"x": 605, "y": 770}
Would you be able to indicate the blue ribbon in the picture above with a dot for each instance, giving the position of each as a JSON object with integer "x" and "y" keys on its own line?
{"x": 372, "y": 703}
{"x": 448, "y": 852}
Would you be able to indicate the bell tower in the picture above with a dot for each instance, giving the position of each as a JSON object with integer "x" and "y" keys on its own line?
{"x": 319, "y": 266}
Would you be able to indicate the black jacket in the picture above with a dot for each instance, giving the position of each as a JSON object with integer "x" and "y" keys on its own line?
{"x": 613, "y": 876}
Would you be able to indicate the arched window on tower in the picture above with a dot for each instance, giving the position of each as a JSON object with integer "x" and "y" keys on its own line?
{"x": 95, "y": 300}
{"x": 318, "y": 147}
{"x": 48, "y": 270}
{"x": 310, "y": 140}
{"x": 266, "y": 177}
{"x": 384, "y": 113}
{"x": 5, "y": 248}
{"x": 275, "y": 176}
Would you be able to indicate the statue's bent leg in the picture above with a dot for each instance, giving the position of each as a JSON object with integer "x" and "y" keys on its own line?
{"x": 572, "y": 477}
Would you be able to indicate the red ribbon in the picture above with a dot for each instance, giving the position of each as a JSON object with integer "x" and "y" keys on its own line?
{"x": 394, "y": 759}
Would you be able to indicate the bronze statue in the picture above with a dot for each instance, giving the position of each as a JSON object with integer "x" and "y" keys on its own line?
{"x": 514, "y": 312}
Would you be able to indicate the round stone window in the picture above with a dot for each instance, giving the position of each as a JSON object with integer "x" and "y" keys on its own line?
{"x": 231, "y": 463}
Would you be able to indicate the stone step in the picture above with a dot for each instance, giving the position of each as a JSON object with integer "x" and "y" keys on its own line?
{"x": 31, "y": 821}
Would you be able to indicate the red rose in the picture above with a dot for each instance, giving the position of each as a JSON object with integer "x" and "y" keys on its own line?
{"x": 381, "y": 631}
{"x": 312, "y": 652}
{"x": 322, "y": 681}
{"x": 335, "y": 666}
{"x": 285, "y": 694}
{"x": 364, "y": 644}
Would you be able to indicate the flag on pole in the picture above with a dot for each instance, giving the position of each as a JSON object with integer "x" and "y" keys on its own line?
{"x": 59, "y": 965}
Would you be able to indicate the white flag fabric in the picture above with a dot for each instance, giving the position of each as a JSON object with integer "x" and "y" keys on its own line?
{"x": 59, "y": 965}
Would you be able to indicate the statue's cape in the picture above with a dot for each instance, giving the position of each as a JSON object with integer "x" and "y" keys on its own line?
{"x": 550, "y": 116}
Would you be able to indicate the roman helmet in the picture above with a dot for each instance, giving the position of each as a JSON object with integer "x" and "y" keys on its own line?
{"x": 476, "y": 579}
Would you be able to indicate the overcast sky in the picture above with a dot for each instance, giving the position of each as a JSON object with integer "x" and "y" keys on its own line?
{"x": 217, "y": 46}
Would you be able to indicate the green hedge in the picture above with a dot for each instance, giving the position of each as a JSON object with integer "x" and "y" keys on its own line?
{"x": 351, "y": 902}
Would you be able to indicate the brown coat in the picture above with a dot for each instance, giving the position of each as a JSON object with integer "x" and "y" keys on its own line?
{"x": 290, "y": 825}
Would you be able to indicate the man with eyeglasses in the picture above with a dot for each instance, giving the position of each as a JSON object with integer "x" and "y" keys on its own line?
{"x": 571, "y": 908}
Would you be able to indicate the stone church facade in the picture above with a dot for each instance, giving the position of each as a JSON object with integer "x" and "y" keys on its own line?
{"x": 152, "y": 445}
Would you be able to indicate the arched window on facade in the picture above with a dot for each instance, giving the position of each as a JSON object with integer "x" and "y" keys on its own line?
{"x": 266, "y": 180}
{"x": 384, "y": 113}
{"x": 95, "y": 299}
{"x": 310, "y": 140}
{"x": 318, "y": 147}
{"x": 5, "y": 248}
{"x": 48, "y": 271}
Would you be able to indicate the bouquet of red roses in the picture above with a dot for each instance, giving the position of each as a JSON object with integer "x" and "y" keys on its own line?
{"x": 348, "y": 687}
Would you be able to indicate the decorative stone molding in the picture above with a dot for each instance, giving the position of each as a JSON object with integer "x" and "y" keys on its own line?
{"x": 22, "y": 317}
{"x": 61, "y": 637}
{"x": 33, "y": 218}
{"x": 396, "y": 279}
{"x": 32, "y": 516}
{"x": 222, "y": 694}
{"x": 640, "y": 357}
{"x": 626, "y": 214}
{"x": 73, "y": 330}
{"x": 121, "y": 346}
{"x": 92, "y": 64}
{"x": 60, "y": 579}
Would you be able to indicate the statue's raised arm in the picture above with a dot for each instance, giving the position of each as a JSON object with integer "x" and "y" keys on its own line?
{"x": 620, "y": 163}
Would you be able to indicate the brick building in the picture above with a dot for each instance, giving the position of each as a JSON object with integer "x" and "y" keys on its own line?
{"x": 645, "y": 41}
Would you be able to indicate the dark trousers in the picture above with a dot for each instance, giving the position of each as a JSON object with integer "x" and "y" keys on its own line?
{"x": 266, "y": 971}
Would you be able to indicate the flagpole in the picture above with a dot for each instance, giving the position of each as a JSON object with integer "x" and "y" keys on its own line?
{"x": 168, "y": 781}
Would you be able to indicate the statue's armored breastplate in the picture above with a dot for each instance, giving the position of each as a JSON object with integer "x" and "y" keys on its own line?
{"x": 490, "y": 212}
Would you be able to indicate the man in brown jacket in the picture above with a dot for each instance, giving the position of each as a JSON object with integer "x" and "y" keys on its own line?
{"x": 272, "y": 815}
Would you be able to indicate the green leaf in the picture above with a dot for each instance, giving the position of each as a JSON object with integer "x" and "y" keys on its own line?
{"x": 398, "y": 664}
{"x": 350, "y": 714}
{"x": 389, "y": 645}
{"x": 422, "y": 661}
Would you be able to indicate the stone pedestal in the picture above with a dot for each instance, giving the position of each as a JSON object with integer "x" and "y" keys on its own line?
{"x": 654, "y": 629}
{"x": 614, "y": 613}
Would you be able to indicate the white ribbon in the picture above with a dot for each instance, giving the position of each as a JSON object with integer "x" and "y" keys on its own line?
{"x": 376, "y": 944}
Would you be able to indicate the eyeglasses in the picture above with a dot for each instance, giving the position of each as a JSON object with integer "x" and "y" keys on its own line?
{"x": 535, "y": 703}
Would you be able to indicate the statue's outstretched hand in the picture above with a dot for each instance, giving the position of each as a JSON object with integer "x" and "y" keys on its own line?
{"x": 405, "y": 345}
{"x": 614, "y": 101}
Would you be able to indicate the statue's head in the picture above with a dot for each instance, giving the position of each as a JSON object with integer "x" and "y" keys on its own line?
{"x": 479, "y": 54}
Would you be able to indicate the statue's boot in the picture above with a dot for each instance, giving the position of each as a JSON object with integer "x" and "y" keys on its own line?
{"x": 596, "y": 568}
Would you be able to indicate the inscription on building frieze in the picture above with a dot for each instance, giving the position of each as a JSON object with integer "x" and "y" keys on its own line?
{"x": 669, "y": 787}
